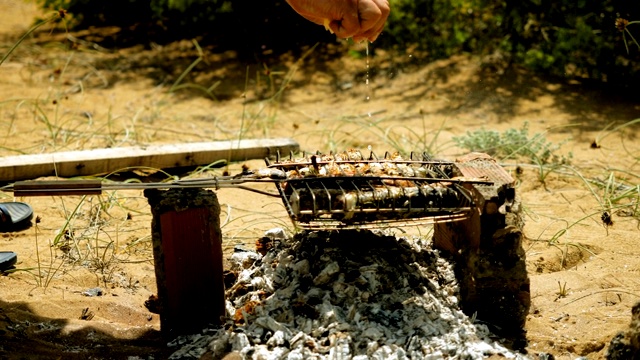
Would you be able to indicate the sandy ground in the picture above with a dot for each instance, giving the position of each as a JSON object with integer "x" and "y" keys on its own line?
{"x": 57, "y": 94}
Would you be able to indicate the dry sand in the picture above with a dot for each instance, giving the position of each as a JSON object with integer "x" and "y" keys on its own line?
{"x": 90, "y": 98}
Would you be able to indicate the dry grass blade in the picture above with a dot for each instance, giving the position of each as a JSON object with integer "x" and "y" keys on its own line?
{"x": 27, "y": 34}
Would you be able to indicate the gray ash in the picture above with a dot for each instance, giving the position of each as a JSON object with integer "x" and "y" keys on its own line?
{"x": 344, "y": 295}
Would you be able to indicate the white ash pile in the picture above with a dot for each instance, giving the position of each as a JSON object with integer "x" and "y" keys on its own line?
{"x": 344, "y": 295}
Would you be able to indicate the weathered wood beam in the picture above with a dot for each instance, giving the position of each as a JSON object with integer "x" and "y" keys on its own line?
{"x": 103, "y": 161}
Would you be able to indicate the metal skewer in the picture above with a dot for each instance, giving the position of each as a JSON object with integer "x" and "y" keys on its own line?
{"x": 96, "y": 187}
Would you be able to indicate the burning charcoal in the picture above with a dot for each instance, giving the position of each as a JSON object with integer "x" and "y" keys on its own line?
{"x": 263, "y": 245}
{"x": 298, "y": 340}
{"x": 218, "y": 346}
{"x": 373, "y": 333}
{"x": 229, "y": 278}
{"x": 271, "y": 324}
{"x": 369, "y": 273}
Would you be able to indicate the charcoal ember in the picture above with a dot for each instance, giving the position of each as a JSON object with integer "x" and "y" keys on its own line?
{"x": 353, "y": 295}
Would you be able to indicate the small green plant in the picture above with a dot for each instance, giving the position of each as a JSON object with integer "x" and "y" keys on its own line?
{"x": 43, "y": 273}
{"x": 562, "y": 290}
{"x": 513, "y": 144}
{"x": 607, "y": 131}
{"x": 262, "y": 117}
{"x": 623, "y": 27}
{"x": 178, "y": 84}
{"x": 517, "y": 144}
{"x": 271, "y": 79}
{"x": 565, "y": 247}
{"x": 58, "y": 15}
{"x": 406, "y": 139}
{"x": 613, "y": 196}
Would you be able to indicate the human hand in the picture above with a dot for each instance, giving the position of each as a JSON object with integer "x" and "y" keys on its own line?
{"x": 359, "y": 19}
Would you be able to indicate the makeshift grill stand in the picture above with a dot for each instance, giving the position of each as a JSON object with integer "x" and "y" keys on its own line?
{"x": 470, "y": 201}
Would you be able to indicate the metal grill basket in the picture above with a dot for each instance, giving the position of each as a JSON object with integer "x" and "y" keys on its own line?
{"x": 348, "y": 190}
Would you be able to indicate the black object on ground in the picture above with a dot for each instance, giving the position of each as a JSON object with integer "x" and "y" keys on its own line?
{"x": 7, "y": 260}
{"x": 15, "y": 216}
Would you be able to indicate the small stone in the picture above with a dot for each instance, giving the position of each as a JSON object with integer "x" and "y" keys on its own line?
{"x": 277, "y": 339}
{"x": 372, "y": 333}
{"x": 276, "y": 234}
{"x": 96, "y": 291}
{"x": 327, "y": 274}
{"x": 238, "y": 341}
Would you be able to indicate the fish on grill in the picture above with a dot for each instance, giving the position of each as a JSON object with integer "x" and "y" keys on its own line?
{"x": 348, "y": 189}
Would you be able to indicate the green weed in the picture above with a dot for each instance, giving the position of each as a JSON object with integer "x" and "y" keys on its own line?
{"x": 623, "y": 26}
{"x": 178, "y": 84}
{"x": 57, "y": 15}
{"x": 45, "y": 274}
{"x": 562, "y": 290}
{"x": 608, "y": 130}
{"x": 261, "y": 118}
{"x": 514, "y": 144}
{"x": 406, "y": 139}
{"x": 517, "y": 144}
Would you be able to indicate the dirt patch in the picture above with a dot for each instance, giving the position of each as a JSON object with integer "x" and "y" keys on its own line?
{"x": 566, "y": 256}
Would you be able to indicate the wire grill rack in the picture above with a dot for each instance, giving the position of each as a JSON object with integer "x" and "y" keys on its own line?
{"x": 349, "y": 190}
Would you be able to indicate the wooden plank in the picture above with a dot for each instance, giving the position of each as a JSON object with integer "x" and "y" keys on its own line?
{"x": 102, "y": 161}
